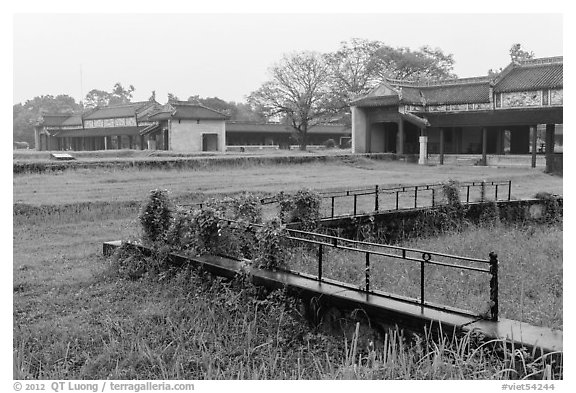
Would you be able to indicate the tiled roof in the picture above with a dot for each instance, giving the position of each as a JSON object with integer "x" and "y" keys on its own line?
{"x": 115, "y": 111}
{"x": 105, "y": 131}
{"x": 531, "y": 76}
{"x": 188, "y": 110}
{"x": 411, "y": 95}
{"x": 450, "y": 91}
{"x": 283, "y": 128}
{"x": 53, "y": 120}
{"x": 457, "y": 94}
{"x": 377, "y": 101}
{"x": 74, "y": 120}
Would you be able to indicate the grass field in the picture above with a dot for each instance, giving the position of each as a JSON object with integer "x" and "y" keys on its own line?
{"x": 73, "y": 321}
{"x": 132, "y": 184}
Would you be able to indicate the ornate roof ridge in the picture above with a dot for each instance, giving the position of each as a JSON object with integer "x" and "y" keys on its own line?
{"x": 447, "y": 82}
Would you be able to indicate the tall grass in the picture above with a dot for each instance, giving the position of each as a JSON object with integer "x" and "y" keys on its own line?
{"x": 530, "y": 270}
{"x": 197, "y": 327}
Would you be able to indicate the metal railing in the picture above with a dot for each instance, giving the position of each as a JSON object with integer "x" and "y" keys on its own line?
{"x": 370, "y": 250}
{"x": 397, "y": 198}
{"x": 425, "y": 195}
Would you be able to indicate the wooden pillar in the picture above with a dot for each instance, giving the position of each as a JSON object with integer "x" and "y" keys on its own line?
{"x": 441, "y": 146}
{"x": 499, "y": 142}
{"x": 549, "y": 146}
{"x": 534, "y": 135}
{"x": 400, "y": 138}
{"x": 484, "y": 145}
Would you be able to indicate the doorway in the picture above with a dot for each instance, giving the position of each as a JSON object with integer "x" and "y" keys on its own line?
{"x": 209, "y": 142}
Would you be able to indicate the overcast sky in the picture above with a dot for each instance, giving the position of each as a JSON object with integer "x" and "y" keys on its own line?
{"x": 228, "y": 55}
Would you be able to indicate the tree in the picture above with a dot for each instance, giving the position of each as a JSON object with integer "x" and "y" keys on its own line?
{"x": 172, "y": 97}
{"x": 299, "y": 91}
{"x": 118, "y": 95}
{"x": 26, "y": 115}
{"x": 425, "y": 64}
{"x": 354, "y": 69}
{"x": 96, "y": 98}
{"x": 517, "y": 54}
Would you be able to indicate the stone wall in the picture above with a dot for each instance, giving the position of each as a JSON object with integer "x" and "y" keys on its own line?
{"x": 393, "y": 226}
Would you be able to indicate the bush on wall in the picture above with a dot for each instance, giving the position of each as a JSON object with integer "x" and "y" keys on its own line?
{"x": 271, "y": 251}
{"x": 155, "y": 217}
{"x": 302, "y": 208}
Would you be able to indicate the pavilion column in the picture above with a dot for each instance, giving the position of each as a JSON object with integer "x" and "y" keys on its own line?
{"x": 142, "y": 142}
{"x": 549, "y": 146}
{"x": 484, "y": 145}
{"x": 119, "y": 142}
{"x": 423, "y": 158}
{"x": 499, "y": 144}
{"x": 400, "y": 138}
{"x": 106, "y": 142}
{"x": 130, "y": 141}
{"x": 441, "y": 146}
{"x": 534, "y": 135}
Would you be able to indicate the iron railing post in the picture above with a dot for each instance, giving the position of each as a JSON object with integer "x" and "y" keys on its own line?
{"x": 355, "y": 201}
{"x": 397, "y": 193}
{"x": 433, "y": 196}
{"x": 494, "y": 286}
{"x": 332, "y": 214}
{"x": 422, "y": 281}
{"x": 376, "y": 202}
{"x": 367, "y": 272}
{"x": 320, "y": 262}
{"x": 467, "y": 194}
{"x": 415, "y": 197}
{"x": 509, "y": 189}
{"x": 496, "y": 192}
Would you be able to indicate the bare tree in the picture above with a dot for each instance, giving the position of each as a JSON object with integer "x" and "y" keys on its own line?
{"x": 298, "y": 92}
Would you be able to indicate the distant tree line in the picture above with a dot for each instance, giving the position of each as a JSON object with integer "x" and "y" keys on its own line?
{"x": 304, "y": 88}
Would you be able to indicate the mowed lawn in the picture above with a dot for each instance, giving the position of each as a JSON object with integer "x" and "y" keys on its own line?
{"x": 109, "y": 185}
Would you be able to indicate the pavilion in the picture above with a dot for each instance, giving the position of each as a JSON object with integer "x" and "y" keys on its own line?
{"x": 474, "y": 116}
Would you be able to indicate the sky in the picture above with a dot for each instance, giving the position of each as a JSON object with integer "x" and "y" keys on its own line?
{"x": 229, "y": 55}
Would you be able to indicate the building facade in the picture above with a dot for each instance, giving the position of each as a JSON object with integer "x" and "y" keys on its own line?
{"x": 481, "y": 115}
{"x": 176, "y": 126}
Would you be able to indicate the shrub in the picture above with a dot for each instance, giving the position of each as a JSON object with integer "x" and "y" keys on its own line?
{"x": 271, "y": 252}
{"x": 490, "y": 214}
{"x": 155, "y": 216}
{"x": 128, "y": 262}
{"x": 302, "y": 208}
{"x": 182, "y": 232}
{"x": 451, "y": 190}
{"x": 553, "y": 208}
{"x": 330, "y": 144}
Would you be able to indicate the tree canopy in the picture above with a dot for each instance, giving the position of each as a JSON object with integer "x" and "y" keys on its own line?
{"x": 118, "y": 95}
{"x": 299, "y": 93}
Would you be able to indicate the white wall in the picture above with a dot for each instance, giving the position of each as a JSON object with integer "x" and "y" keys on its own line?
{"x": 186, "y": 135}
